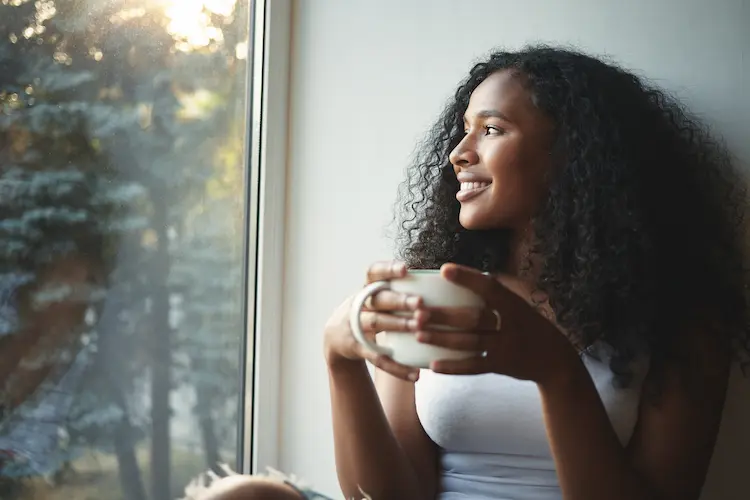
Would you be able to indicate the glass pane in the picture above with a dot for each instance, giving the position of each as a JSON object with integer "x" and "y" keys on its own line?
{"x": 122, "y": 195}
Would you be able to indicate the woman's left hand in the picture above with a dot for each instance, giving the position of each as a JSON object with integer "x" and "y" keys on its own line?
{"x": 513, "y": 337}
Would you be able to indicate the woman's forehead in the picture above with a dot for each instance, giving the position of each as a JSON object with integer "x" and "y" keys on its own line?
{"x": 505, "y": 93}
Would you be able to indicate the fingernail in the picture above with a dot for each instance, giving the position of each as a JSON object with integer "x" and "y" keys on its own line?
{"x": 412, "y": 324}
{"x": 413, "y": 302}
{"x": 423, "y": 336}
{"x": 414, "y": 376}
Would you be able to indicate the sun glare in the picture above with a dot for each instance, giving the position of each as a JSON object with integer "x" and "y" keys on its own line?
{"x": 189, "y": 20}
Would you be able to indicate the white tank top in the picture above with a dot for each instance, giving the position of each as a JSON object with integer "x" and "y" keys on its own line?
{"x": 491, "y": 433}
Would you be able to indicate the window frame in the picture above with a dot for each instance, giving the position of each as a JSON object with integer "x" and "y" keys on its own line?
{"x": 266, "y": 153}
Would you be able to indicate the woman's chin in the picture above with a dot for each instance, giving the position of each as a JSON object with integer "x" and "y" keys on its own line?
{"x": 471, "y": 221}
{"x": 474, "y": 217}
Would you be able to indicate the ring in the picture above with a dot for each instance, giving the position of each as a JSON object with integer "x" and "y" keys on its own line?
{"x": 483, "y": 354}
{"x": 498, "y": 320}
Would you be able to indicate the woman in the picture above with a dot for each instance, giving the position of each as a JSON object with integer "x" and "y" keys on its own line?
{"x": 609, "y": 220}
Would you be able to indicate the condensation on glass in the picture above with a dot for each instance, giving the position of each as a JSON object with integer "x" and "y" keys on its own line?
{"x": 122, "y": 229}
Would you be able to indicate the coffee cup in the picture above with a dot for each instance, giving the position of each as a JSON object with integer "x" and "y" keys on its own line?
{"x": 403, "y": 347}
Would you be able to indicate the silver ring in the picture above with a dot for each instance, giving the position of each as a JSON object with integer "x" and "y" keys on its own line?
{"x": 498, "y": 320}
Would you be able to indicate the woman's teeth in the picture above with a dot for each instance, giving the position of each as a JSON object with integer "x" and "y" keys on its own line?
{"x": 468, "y": 186}
{"x": 471, "y": 190}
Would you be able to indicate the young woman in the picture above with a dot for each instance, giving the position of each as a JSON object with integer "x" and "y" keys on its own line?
{"x": 609, "y": 220}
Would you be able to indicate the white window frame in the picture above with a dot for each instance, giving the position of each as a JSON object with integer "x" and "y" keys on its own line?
{"x": 269, "y": 82}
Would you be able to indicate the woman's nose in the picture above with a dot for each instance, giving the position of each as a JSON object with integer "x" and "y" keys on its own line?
{"x": 464, "y": 154}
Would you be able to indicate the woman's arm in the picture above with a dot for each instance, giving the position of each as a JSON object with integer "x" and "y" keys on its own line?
{"x": 670, "y": 450}
{"x": 398, "y": 400}
{"x": 381, "y": 449}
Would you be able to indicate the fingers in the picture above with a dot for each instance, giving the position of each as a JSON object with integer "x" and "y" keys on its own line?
{"x": 461, "y": 341}
{"x": 463, "y": 318}
{"x": 386, "y": 364}
{"x": 397, "y": 370}
{"x": 472, "y": 279}
{"x": 469, "y": 366}
{"x": 483, "y": 285}
{"x": 387, "y": 300}
{"x": 379, "y": 322}
{"x": 385, "y": 271}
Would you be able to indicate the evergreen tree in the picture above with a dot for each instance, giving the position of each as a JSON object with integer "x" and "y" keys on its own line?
{"x": 112, "y": 124}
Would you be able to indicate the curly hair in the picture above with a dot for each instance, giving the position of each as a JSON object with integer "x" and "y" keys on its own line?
{"x": 641, "y": 232}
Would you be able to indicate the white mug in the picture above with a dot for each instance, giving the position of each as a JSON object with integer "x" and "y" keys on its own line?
{"x": 403, "y": 347}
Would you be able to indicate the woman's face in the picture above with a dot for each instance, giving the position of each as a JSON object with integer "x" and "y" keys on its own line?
{"x": 503, "y": 159}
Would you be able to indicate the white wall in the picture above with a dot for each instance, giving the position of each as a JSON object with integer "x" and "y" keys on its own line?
{"x": 368, "y": 77}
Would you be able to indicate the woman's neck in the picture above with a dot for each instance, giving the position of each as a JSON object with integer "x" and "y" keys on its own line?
{"x": 521, "y": 262}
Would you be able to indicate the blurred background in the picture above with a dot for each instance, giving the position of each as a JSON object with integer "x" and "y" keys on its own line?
{"x": 127, "y": 119}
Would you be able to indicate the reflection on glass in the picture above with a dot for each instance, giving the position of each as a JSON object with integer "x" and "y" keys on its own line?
{"x": 122, "y": 130}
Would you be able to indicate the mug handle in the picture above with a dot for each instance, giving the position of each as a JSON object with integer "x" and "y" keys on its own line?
{"x": 356, "y": 323}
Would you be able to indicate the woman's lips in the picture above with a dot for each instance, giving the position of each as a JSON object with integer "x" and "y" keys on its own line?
{"x": 470, "y": 190}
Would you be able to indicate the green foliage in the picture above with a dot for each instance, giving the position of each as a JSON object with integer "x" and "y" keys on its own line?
{"x": 107, "y": 120}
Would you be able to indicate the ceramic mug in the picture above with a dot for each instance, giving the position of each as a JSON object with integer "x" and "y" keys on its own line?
{"x": 403, "y": 347}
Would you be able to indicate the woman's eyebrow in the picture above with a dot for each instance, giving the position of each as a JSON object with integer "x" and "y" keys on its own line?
{"x": 491, "y": 113}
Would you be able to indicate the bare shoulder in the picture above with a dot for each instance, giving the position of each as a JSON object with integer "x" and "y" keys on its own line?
{"x": 677, "y": 428}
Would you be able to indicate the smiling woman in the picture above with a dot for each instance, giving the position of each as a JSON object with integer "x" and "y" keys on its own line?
{"x": 602, "y": 225}
{"x": 505, "y": 146}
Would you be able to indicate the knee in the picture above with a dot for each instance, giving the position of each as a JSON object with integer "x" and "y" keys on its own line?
{"x": 250, "y": 488}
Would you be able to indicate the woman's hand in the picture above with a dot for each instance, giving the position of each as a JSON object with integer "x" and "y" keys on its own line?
{"x": 340, "y": 345}
{"x": 513, "y": 337}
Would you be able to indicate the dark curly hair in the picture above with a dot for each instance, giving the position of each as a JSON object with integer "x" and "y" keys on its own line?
{"x": 641, "y": 233}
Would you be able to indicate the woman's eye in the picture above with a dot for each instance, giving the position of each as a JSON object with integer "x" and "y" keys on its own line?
{"x": 488, "y": 130}
{"x": 492, "y": 130}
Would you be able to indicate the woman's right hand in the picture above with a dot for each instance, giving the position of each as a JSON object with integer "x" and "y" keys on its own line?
{"x": 339, "y": 343}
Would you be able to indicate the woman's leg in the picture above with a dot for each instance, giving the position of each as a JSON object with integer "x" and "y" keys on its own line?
{"x": 225, "y": 484}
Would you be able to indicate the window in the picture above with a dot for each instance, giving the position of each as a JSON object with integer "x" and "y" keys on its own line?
{"x": 127, "y": 249}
